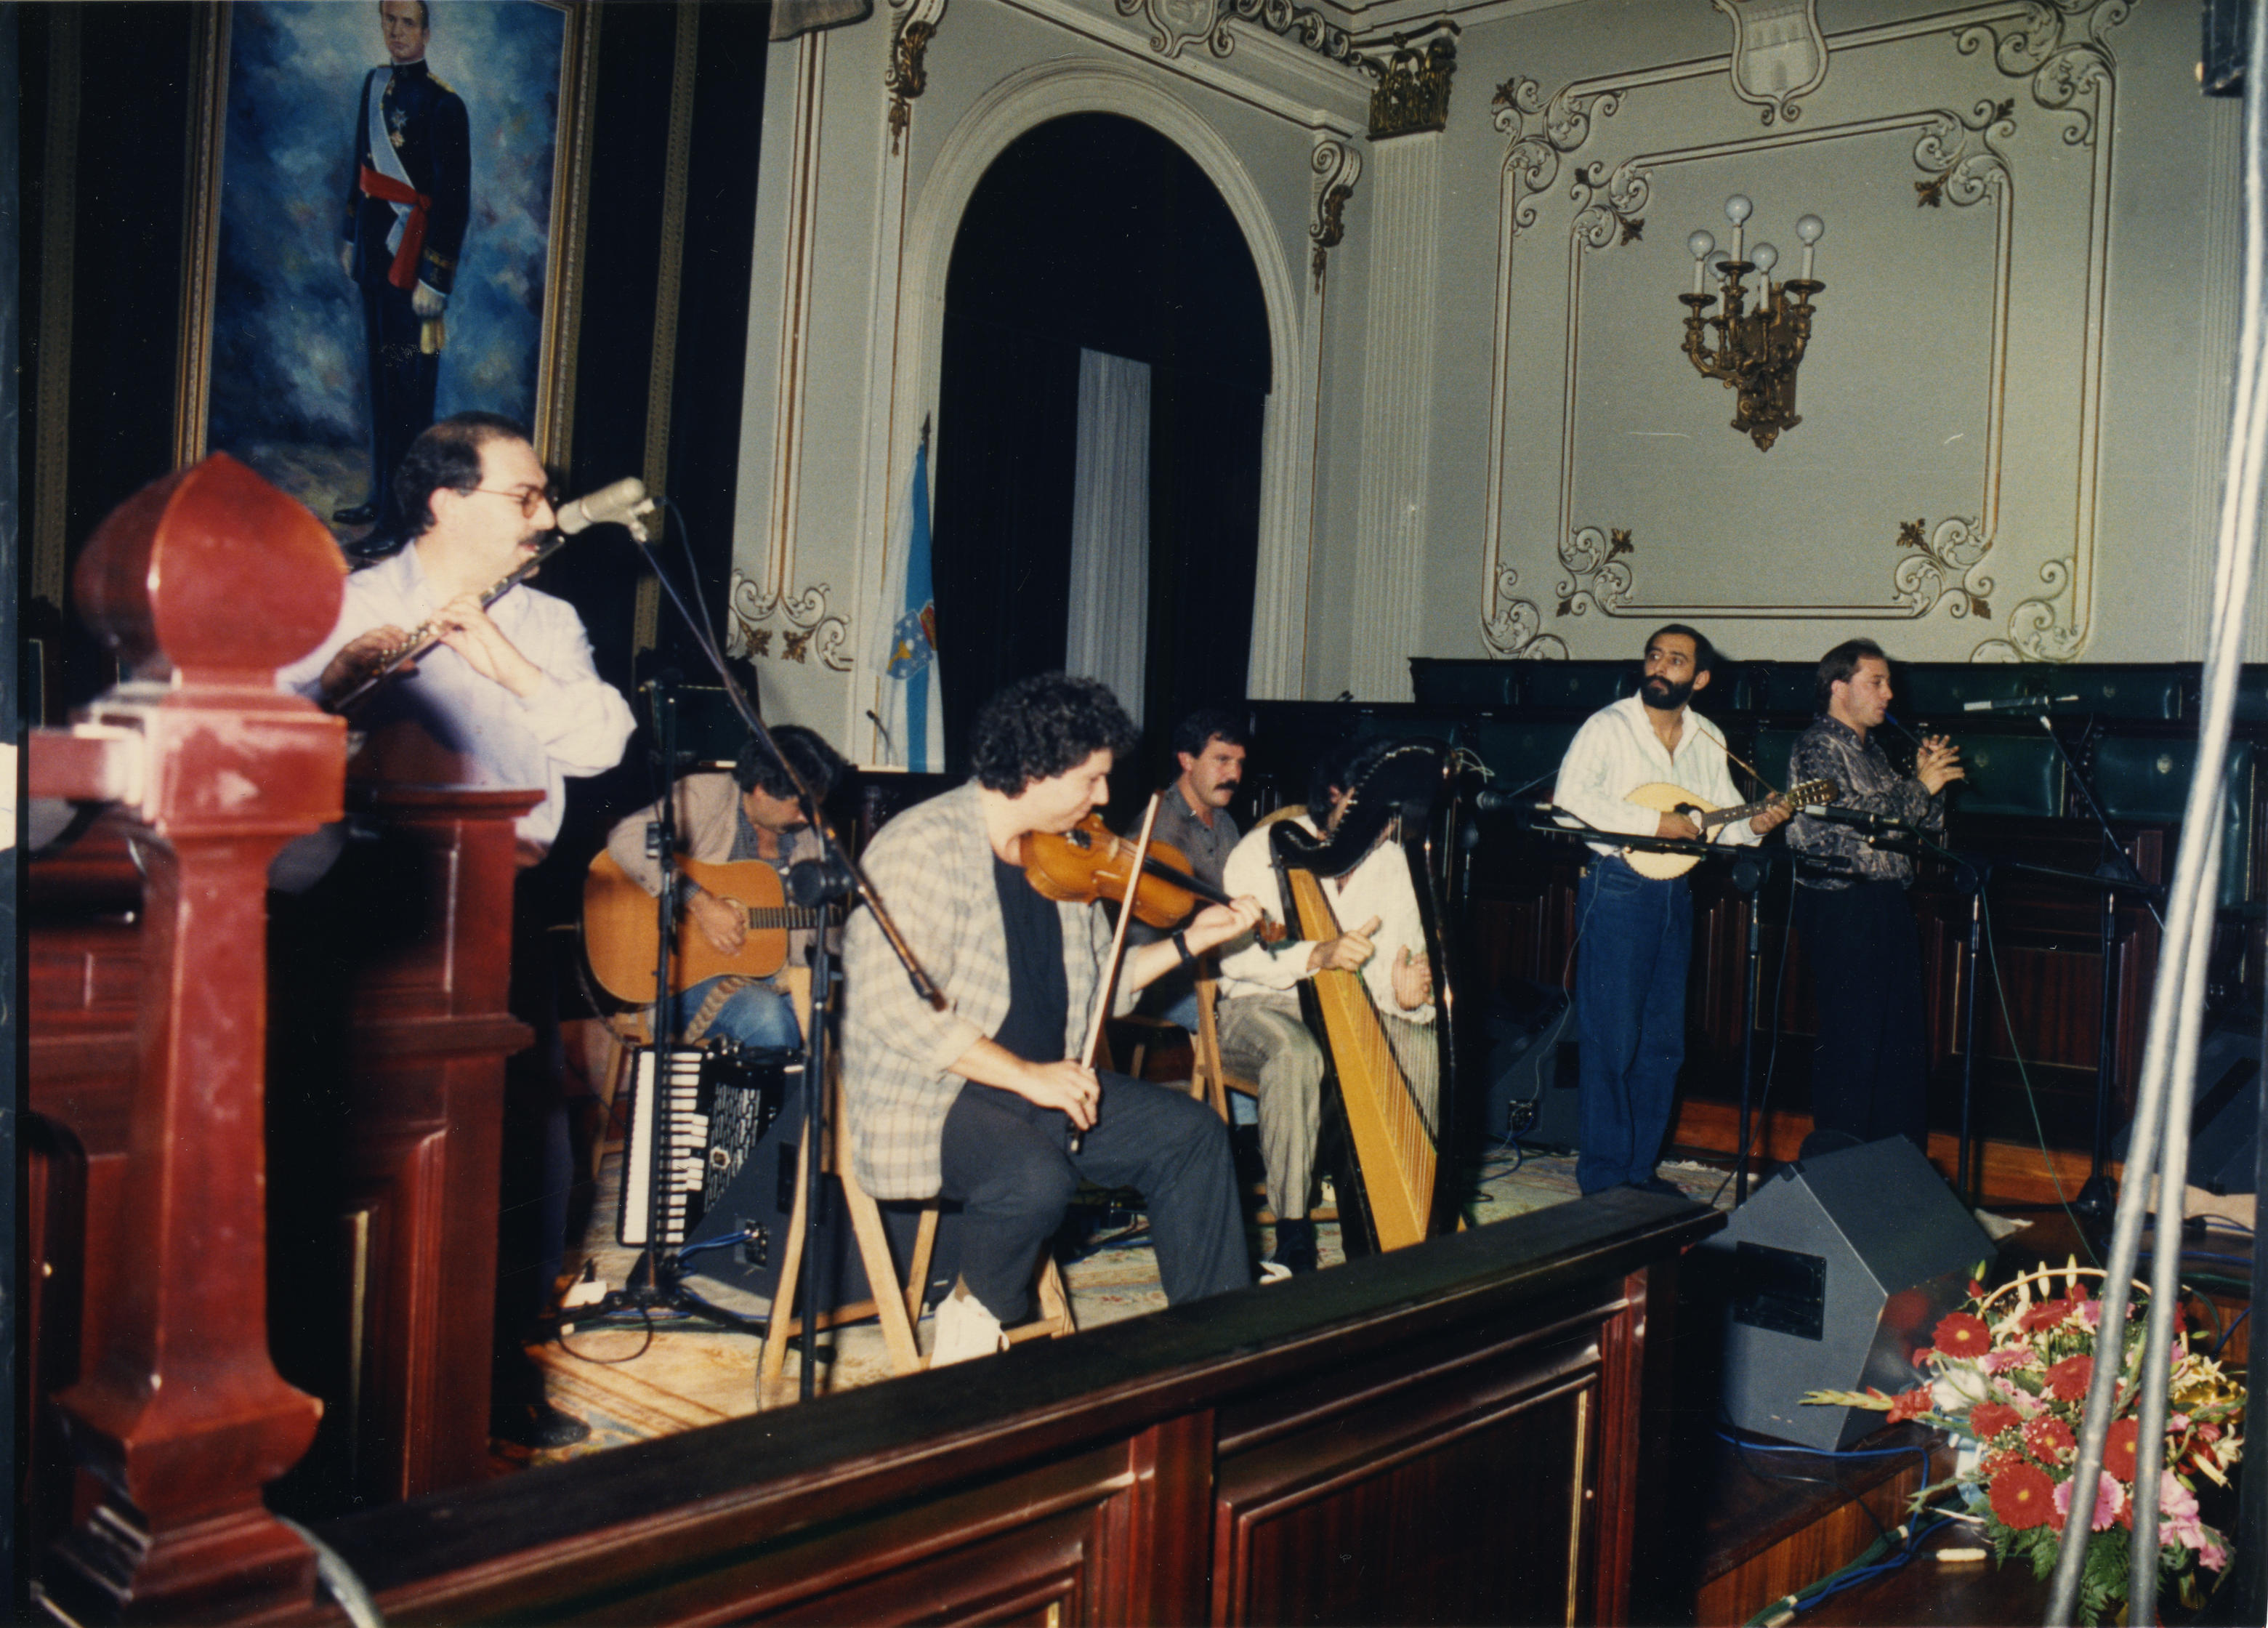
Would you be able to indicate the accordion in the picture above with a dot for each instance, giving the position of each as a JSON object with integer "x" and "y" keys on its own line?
{"x": 695, "y": 1112}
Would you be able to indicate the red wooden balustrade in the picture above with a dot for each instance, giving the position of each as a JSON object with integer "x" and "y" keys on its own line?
{"x": 203, "y": 584}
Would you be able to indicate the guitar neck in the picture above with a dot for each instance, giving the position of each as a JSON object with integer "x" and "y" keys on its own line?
{"x": 1725, "y": 816}
{"x": 788, "y": 917}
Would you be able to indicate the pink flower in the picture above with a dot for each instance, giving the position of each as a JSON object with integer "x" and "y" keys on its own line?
{"x": 2109, "y": 1498}
{"x": 2013, "y": 1357}
{"x": 2212, "y": 1555}
{"x": 2178, "y": 1512}
{"x": 2089, "y": 1313}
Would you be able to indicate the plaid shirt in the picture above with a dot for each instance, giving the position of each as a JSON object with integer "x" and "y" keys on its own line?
{"x": 1831, "y": 750}
{"x": 932, "y": 866}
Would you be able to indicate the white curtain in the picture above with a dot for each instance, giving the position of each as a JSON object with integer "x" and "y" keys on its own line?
{"x": 1110, "y": 528}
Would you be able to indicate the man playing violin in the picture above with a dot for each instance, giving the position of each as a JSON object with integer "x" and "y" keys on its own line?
{"x": 751, "y": 814}
{"x": 1262, "y": 1033}
{"x": 1868, "y": 1072}
{"x": 984, "y": 1102}
{"x": 1636, "y": 933}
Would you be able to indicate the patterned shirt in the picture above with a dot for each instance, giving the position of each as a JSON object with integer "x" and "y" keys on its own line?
{"x": 1832, "y": 750}
{"x": 932, "y": 866}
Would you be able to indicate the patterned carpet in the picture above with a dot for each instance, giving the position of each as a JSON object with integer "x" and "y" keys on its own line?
{"x": 633, "y": 1377}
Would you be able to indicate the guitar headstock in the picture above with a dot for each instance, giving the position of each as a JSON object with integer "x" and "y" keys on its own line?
{"x": 1813, "y": 794}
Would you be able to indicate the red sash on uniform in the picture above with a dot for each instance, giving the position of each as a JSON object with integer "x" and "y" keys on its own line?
{"x": 384, "y": 188}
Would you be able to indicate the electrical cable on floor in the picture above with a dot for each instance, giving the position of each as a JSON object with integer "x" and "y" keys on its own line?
{"x": 2031, "y": 1096}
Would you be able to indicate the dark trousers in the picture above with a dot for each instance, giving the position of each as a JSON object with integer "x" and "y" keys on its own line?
{"x": 1636, "y": 940}
{"x": 1869, "y": 1076}
{"x": 402, "y": 380}
{"x": 537, "y": 1179}
{"x": 1009, "y": 1164}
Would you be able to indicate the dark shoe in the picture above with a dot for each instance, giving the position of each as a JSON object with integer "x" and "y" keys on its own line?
{"x": 1295, "y": 1246}
{"x": 1655, "y": 1184}
{"x": 361, "y": 514}
{"x": 537, "y": 1425}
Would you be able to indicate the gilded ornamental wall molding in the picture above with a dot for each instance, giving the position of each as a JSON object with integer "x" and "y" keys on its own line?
{"x": 787, "y": 626}
{"x": 905, "y": 73}
{"x": 1337, "y": 167}
{"x": 1414, "y": 74}
{"x": 1174, "y": 24}
{"x": 1550, "y": 184}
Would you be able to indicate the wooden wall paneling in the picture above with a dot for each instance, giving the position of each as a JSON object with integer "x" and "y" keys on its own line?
{"x": 1080, "y": 1476}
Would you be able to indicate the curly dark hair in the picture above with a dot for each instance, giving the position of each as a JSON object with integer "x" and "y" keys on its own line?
{"x": 447, "y": 453}
{"x": 1045, "y": 725}
{"x": 818, "y": 763}
{"x": 1208, "y": 724}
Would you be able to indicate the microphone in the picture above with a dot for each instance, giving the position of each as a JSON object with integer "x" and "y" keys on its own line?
{"x": 623, "y": 503}
{"x": 2017, "y": 703}
{"x": 1861, "y": 819}
{"x": 1499, "y": 802}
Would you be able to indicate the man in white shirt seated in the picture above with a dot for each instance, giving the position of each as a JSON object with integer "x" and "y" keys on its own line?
{"x": 1634, "y": 934}
{"x": 1261, "y": 1033}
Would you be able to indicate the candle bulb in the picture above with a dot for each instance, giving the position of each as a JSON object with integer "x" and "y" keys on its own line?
{"x": 1700, "y": 243}
{"x": 1810, "y": 229}
{"x": 1764, "y": 257}
{"x": 1737, "y": 210}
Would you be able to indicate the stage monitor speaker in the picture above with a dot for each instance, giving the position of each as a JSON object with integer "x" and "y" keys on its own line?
{"x": 1532, "y": 1068}
{"x": 760, "y": 1203}
{"x": 1831, "y": 1276}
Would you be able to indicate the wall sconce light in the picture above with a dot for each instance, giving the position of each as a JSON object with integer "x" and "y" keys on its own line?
{"x": 1757, "y": 352}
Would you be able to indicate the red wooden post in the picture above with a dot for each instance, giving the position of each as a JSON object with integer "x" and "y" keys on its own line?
{"x": 204, "y": 583}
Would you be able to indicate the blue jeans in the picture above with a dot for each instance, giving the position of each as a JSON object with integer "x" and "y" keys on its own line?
{"x": 757, "y": 1015}
{"x": 1636, "y": 939}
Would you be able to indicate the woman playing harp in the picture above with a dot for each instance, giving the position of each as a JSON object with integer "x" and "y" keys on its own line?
{"x": 1372, "y": 963}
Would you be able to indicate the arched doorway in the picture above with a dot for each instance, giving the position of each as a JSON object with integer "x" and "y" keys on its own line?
{"x": 1095, "y": 232}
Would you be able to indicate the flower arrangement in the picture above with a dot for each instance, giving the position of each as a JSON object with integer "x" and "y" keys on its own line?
{"x": 2013, "y": 1369}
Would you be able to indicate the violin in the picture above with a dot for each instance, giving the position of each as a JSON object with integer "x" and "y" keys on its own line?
{"x": 1090, "y": 862}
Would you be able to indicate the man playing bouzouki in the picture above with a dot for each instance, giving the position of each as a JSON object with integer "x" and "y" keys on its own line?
{"x": 748, "y": 815}
{"x": 1636, "y": 935}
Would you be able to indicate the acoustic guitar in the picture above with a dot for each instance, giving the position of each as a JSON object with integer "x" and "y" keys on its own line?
{"x": 619, "y": 928}
{"x": 1664, "y": 797}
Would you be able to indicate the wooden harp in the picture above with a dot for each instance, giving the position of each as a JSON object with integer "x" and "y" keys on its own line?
{"x": 1403, "y": 1187}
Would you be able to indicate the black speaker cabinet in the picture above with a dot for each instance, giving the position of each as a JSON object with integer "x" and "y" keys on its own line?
{"x": 1830, "y": 1277}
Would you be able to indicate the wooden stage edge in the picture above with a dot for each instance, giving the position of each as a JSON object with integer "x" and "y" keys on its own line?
{"x": 2013, "y": 1173}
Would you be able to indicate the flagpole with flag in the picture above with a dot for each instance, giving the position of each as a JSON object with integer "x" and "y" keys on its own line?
{"x": 912, "y": 709}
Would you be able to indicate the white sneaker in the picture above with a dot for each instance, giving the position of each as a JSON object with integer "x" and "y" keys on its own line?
{"x": 965, "y": 1329}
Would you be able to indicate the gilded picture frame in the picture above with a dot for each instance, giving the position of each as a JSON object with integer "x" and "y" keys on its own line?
{"x": 272, "y": 366}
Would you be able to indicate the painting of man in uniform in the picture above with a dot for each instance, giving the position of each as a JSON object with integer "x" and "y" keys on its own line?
{"x": 385, "y": 234}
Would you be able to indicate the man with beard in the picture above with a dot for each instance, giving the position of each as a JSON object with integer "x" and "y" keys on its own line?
{"x": 1636, "y": 934}
{"x": 1868, "y": 1074}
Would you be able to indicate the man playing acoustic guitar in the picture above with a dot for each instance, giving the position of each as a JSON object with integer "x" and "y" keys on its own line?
{"x": 1637, "y": 934}
{"x": 748, "y": 815}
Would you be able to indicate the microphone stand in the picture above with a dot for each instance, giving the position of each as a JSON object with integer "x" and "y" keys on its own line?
{"x": 830, "y": 879}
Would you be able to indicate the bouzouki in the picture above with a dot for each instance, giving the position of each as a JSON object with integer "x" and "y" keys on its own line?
{"x": 619, "y": 928}
{"x": 1664, "y": 797}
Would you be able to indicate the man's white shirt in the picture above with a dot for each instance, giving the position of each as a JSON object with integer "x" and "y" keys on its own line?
{"x": 575, "y": 724}
{"x": 1379, "y": 886}
{"x": 1617, "y": 751}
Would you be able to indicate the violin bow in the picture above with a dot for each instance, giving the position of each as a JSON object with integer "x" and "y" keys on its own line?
{"x": 1118, "y": 937}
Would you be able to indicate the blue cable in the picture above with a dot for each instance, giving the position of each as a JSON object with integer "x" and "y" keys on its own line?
{"x": 2230, "y": 1329}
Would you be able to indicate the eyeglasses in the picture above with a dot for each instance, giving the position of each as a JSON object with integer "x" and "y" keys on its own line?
{"x": 528, "y": 497}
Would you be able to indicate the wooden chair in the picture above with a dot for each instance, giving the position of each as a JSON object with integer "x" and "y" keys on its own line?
{"x": 1210, "y": 1081}
{"x": 897, "y": 1311}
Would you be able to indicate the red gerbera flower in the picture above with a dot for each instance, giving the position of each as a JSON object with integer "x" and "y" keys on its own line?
{"x": 2118, "y": 1454}
{"x": 2023, "y": 1497}
{"x": 2068, "y": 1379}
{"x": 1961, "y": 1335}
{"x": 1988, "y": 1419}
{"x": 2046, "y": 1314}
{"x": 2048, "y": 1439}
{"x": 1909, "y": 1404}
